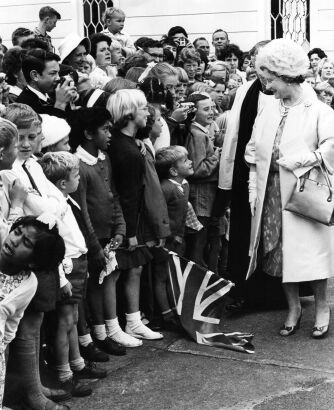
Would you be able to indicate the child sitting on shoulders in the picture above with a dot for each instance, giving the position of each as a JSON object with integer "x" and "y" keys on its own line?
{"x": 113, "y": 19}
{"x": 173, "y": 167}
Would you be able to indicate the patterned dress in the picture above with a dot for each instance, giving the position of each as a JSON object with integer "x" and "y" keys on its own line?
{"x": 16, "y": 292}
{"x": 272, "y": 256}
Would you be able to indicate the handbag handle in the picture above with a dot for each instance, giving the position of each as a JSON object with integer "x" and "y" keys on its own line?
{"x": 324, "y": 172}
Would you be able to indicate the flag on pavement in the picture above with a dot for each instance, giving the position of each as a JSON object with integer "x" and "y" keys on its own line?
{"x": 199, "y": 297}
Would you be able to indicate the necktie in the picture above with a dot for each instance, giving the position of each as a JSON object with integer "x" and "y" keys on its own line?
{"x": 79, "y": 218}
{"x": 31, "y": 179}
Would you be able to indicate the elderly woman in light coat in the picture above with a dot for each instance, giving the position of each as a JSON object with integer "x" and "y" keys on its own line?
{"x": 288, "y": 133}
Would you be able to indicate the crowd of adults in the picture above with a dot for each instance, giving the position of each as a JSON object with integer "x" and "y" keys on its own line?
{"x": 114, "y": 152}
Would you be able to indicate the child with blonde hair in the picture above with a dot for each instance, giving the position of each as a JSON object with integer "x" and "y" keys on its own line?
{"x": 113, "y": 18}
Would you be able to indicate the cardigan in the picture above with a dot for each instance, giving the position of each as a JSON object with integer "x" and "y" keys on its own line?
{"x": 128, "y": 166}
{"x": 177, "y": 205}
{"x": 98, "y": 199}
{"x": 201, "y": 153}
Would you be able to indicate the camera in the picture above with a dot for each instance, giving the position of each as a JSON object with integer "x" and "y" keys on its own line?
{"x": 189, "y": 105}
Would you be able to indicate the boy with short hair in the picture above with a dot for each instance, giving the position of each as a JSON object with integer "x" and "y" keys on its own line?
{"x": 173, "y": 167}
{"x": 204, "y": 181}
{"x": 62, "y": 169}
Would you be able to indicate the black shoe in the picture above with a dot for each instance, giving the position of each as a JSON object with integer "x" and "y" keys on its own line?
{"x": 110, "y": 346}
{"x": 172, "y": 324}
{"x": 155, "y": 324}
{"x": 90, "y": 371}
{"x": 92, "y": 354}
{"x": 237, "y": 306}
{"x": 56, "y": 395}
{"x": 76, "y": 388}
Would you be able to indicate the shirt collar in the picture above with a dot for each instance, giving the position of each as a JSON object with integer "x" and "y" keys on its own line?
{"x": 178, "y": 185}
{"x": 204, "y": 129}
{"x": 184, "y": 182}
{"x": 87, "y": 158}
{"x": 41, "y": 96}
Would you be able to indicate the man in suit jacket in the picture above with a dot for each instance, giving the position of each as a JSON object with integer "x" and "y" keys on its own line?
{"x": 41, "y": 71}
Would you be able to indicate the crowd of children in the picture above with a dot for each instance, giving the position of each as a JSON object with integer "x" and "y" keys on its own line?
{"x": 109, "y": 158}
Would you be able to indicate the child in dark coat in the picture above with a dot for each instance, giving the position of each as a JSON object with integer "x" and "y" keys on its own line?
{"x": 173, "y": 166}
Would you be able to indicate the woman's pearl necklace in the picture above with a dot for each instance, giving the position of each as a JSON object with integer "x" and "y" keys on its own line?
{"x": 284, "y": 109}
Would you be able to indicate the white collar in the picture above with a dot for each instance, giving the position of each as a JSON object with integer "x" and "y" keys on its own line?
{"x": 87, "y": 158}
{"x": 14, "y": 89}
{"x": 178, "y": 185}
{"x": 204, "y": 129}
{"x": 184, "y": 182}
{"x": 41, "y": 96}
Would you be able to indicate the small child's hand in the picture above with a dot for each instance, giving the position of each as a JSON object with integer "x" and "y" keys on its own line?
{"x": 116, "y": 242}
{"x": 178, "y": 239}
{"x": 99, "y": 260}
{"x": 141, "y": 146}
{"x": 66, "y": 291}
{"x": 161, "y": 243}
{"x": 18, "y": 194}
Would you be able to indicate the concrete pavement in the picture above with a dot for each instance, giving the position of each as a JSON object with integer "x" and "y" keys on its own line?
{"x": 284, "y": 373}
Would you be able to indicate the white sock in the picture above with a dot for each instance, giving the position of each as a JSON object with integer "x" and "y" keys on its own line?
{"x": 64, "y": 372}
{"x": 85, "y": 340}
{"x": 99, "y": 332}
{"x": 116, "y": 333}
{"x": 136, "y": 328}
{"x": 77, "y": 364}
{"x": 112, "y": 326}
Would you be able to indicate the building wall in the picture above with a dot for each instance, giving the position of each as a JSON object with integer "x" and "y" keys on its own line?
{"x": 24, "y": 13}
{"x": 246, "y": 21}
{"x": 322, "y": 25}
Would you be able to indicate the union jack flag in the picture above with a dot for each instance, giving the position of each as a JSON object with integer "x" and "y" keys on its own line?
{"x": 199, "y": 297}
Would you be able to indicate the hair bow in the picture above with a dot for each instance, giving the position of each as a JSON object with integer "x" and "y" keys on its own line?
{"x": 48, "y": 219}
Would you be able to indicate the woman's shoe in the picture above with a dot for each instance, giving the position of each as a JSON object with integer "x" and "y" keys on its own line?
{"x": 290, "y": 330}
{"x": 320, "y": 332}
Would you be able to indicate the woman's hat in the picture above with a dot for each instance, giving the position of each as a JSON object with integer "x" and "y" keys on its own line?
{"x": 70, "y": 43}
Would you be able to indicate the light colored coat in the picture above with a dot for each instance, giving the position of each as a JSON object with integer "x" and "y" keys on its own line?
{"x": 308, "y": 247}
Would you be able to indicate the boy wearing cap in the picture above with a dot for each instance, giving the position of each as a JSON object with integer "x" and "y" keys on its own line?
{"x": 48, "y": 18}
{"x": 56, "y": 134}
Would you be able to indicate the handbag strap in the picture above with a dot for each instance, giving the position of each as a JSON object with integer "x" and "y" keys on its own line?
{"x": 325, "y": 173}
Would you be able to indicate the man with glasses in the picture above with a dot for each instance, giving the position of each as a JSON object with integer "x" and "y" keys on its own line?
{"x": 152, "y": 50}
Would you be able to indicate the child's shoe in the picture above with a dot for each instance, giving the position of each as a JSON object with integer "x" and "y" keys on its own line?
{"x": 90, "y": 371}
{"x": 110, "y": 346}
{"x": 92, "y": 354}
{"x": 135, "y": 328}
{"x": 125, "y": 339}
{"x": 76, "y": 388}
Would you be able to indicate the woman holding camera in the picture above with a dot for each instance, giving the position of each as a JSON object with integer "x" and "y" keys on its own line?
{"x": 289, "y": 134}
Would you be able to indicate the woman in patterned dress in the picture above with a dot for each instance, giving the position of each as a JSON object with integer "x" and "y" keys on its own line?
{"x": 289, "y": 133}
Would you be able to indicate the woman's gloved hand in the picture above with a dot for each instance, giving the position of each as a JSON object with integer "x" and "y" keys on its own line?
{"x": 252, "y": 191}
